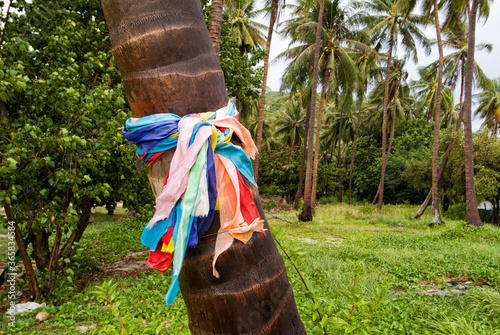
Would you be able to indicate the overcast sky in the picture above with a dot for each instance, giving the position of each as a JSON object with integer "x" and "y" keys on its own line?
{"x": 488, "y": 32}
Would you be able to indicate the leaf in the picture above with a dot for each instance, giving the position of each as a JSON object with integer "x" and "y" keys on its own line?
{"x": 159, "y": 328}
{"x": 337, "y": 322}
{"x": 12, "y": 163}
{"x": 21, "y": 85}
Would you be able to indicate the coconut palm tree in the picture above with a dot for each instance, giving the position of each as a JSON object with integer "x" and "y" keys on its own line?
{"x": 337, "y": 132}
{"x": 213, "y": 305}
{"x": 274, "y": 13}
{"x": 338, "y": 70}
{"x": 369, "y": 71}
{"x": 398, "y": 96}
{"x": 425, "y": 91}
{"x": 472, "y": 215}
{"x": 247, "y": 31}
{"x": 290, "y": 124}
{"x": 390, "y": 22}
{"x": 432, "y": 6}
{"x": 306, "y": 213}
{"x": 455, "y": 38}
{"x": 489, "y": 106}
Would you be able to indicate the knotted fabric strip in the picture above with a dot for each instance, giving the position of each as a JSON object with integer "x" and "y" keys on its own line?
{"x": 206, "y": 170}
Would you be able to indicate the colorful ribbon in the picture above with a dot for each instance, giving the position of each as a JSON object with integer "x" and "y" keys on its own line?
{"x": 206, "y": 170}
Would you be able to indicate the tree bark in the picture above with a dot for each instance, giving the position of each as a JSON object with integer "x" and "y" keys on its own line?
{"x": 339, "y": 153}
{"x": 262, "y": 103}
{"x": 316, "y": 144}
{"x": 28, "y": 266}
{"x": 83, "y": 222}
{"x": 306, "y": 213}
{"x": 389, "y": 148}
{"x": 472, "y": 214}
{"x": 41, "y": 250}
{"x": 298, "y": 195}
{"x": 215, "y": 25}
{"x": 355, "y": 142}
{"x": 384, "y": 126}
{"x": 253, "y": 294}
{"x": 436, "y": 215}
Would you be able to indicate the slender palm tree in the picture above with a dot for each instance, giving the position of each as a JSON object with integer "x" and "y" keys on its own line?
{"x": 489, "y": 106}
{"x": 432, "y": 6}
{"x": 401, "y": 102}
{"x": 306, "y": 213}
{"x": 215, "y": 25}
{"x": 368, "y": 69}
{"x": 339, "y": 48}
{"x": 455, "y": 38}
{"x": 388, "y": 20}
{"x": 472, "y": 215}
{"x": 213, "y": 306}
{"x": 338, "y": 70}
{"x": 274, "y": 12}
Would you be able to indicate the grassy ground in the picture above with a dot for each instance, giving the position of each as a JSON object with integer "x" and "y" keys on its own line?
{"x": 352, "y": 269}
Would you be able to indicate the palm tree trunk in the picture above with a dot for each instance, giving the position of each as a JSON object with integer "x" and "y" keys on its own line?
{"x": 472, "y": 214}
{"x": 444, "y": 160}
{"x": 393, "y": 128}
{"x": 316, "y": 145}
{"x": 384, "y": 126}
{"x": 385, "y": 159}
{"x": 355, "y": 142}
{"x": 164, "y": 53}
{"x": 215, "y": 25}
{"x": 260, "y": 120}
{"x": 339, "y": 142}
{"x": 341, "y": 179}
{"x": 306, "y": 213}
{"x": 436, "y": 216}
{"x": 298, "y": 195}
{"x": 495, "y": 127}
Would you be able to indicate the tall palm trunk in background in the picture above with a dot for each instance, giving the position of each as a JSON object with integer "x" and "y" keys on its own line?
{"x": 316, "y": 144}
{"x": 380, "y": 191}
{"x": 446, "y": 154}
{"x": 436, "y": 216}
{"x": 339, "y": 153}
{"x": 260, "y": 120}
{"x": 300, "y": 188}
{"x": 391, "y": 137}
{"x": 215, "y": 24}
{"x": 472, "y": 214}
{"x": 355, "y": 142}
{"x": 164, "y": 53}
{"x": 306, "y": 213}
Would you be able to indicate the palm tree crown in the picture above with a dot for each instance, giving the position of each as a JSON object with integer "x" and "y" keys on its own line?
{"x": 489, "y": 106}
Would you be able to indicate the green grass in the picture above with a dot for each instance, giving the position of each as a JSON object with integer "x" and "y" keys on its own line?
{"x": 385, "y": 251}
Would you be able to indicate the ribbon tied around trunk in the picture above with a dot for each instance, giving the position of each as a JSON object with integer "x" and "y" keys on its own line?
{"x": 206, "y": 174}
